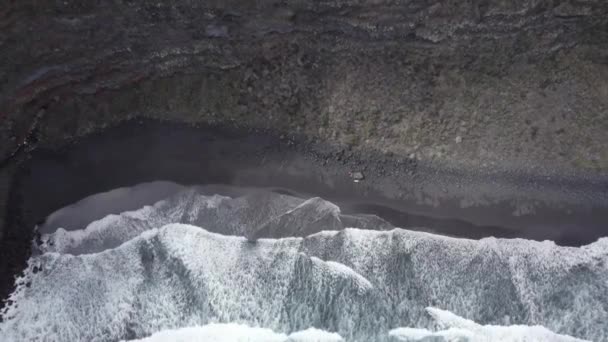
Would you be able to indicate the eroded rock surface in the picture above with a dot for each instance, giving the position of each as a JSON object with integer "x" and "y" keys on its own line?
{"x": 516, "y": 85}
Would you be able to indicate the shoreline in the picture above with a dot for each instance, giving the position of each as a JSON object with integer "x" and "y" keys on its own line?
{"x": 410, "y": 195}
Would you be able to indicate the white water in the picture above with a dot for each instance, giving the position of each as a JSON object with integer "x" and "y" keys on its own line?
{"x": 145, "y": 273}
{"x": 231, "y": 332}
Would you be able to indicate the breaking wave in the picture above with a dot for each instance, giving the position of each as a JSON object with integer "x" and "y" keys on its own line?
{"x": 271, "y": 267}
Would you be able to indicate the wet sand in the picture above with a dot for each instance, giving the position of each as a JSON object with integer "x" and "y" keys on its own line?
{"x": 569, "y": 211}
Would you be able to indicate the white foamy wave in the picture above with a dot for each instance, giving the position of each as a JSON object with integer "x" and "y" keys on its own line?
{"x": 253, "y": 215}
{"x": 340, "y": 270}
{"x": 231, "y": 332}
{"x": 314, "y": 335}
{"x": 456, "y": 328}
{"x": 95, "y": 207}
{"x": 132, "y": 275}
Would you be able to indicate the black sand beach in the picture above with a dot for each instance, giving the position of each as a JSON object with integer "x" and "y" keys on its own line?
{"x": 409, "y": 195}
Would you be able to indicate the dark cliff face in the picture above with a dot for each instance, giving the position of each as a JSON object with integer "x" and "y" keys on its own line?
{"x": 514, "y": 85}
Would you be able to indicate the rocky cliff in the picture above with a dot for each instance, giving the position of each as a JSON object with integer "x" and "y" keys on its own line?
{"x": 516, "y": 85}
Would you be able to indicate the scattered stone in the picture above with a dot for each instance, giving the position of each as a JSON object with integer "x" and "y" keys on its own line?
{"x": 357, "y": 176}
{"x": 458, "y": 139}
{"x": 340, "y": 154}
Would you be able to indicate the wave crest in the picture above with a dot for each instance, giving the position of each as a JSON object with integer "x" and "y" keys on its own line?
{"x": 128, "y": 276}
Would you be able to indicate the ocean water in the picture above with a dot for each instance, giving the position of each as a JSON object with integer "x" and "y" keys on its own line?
{"x": 264, "y": 266}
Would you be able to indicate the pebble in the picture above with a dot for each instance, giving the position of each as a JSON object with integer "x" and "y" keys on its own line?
{"x": 357, "y": 176}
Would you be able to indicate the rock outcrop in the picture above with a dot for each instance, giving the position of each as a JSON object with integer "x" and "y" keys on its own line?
{"x": 515, "y": 85}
